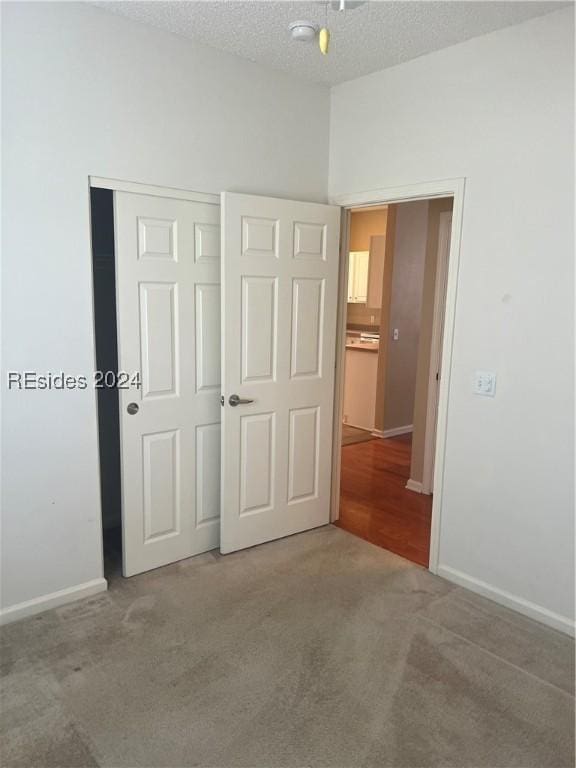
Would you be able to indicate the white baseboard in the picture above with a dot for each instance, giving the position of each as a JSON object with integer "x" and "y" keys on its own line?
{"x": 519, "y": 604}
{"x": 53, "y": 600}
{"x": 356, "y": 426}
{"x": 384, "y": 433}
{"x": 414, "y": 485}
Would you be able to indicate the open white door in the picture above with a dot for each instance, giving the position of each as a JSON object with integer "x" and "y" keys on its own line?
{"x": 168, "y": 293}
{"x": 279, "y": 297}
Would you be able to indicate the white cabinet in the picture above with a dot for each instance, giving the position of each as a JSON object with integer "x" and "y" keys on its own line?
{"x": 360, "y": 388}
{"x": 358, "y": 265}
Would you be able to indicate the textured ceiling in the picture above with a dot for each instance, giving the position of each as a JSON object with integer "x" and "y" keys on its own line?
{"x": 372, "y": 36}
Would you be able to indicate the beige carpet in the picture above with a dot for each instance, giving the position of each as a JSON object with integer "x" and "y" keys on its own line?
{"x": 318, "y": 650}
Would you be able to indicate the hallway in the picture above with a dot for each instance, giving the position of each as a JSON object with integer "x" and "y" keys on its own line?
{"x": 374, "y": 502}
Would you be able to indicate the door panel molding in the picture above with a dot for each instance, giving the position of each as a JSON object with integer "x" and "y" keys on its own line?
{"x": 158, "y": 339}
{"x": 160, "y": 460}
{"x": 304, "y": 454}
{"x": 257, "y": 462}
{"x": 307, "y": 326}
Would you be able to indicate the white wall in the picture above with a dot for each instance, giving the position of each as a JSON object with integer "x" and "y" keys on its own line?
{"x": 499, "y": 111}
{"x": 86, "y": 92}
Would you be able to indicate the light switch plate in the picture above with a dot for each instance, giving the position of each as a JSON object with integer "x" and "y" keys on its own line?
{"x": 484, "y": 383}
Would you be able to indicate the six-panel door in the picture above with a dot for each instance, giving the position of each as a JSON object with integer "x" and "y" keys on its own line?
{"x": 279, "y": 280}
{"x": 168, "y": 275}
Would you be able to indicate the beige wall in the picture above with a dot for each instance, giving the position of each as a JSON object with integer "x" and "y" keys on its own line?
{"x": 385, "y": 316}
{"x": 363, "y": 225}
{"x": 404, "y": 314}
{"x": 436, "y": 207}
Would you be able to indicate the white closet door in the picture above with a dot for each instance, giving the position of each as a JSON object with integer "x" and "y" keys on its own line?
{"x": 279, "y": 296}
{"x": 168, "y": 296}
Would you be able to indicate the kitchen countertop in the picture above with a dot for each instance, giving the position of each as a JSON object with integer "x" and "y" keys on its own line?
{"x": 363, "y": 346}
{"x": 362, "y": 341}
{"x": 362, "y": 327}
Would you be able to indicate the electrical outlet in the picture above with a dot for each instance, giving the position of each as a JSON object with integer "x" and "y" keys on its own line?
{"x": 396, "y": 334}
{"x": 484, "y": 383}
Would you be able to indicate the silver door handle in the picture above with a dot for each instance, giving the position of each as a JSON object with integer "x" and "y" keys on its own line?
{"x": 235, "y": 400}
{"x": 132, "y": 408}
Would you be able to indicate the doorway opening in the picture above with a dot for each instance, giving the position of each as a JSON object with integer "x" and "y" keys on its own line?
{"x": 106, "y": 343}
{"x": 396, "y": 284}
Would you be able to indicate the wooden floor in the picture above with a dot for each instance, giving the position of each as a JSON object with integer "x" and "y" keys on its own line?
{"x": 374, "y": 503}
{"x": 352, "y": 435}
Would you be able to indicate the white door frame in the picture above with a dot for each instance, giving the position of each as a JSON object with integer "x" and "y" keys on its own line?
{"x": 119, "y": 185}
{"x": 435, "y": 366}
{"x": 423, "y": 191}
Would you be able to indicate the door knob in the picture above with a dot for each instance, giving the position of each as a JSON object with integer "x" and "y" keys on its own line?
{"x": 235, "y": 400}
{"x": 132, "y": 408}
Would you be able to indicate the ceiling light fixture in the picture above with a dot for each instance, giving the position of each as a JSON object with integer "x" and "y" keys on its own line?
{"x": 304, "y": 31}
{"x": 324, "y": 36}
{"x": 324, "y": 40}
